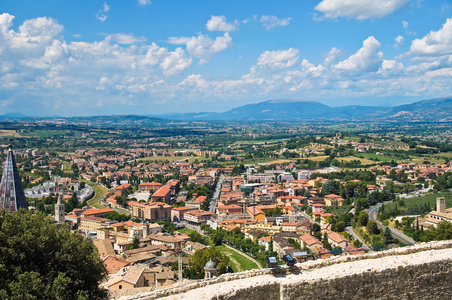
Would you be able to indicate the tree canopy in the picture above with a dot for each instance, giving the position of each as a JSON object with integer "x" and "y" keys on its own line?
{"x": 40, "y": 261}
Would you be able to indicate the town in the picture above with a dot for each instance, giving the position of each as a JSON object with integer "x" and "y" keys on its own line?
{"x": 158, "y": 209}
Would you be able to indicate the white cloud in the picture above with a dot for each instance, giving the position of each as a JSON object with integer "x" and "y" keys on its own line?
{"x": 435, "y": 43}
{"x": 270, "y": 22}
{"x": 398, "y": 41}
{"x": 405, "y": 24}
{"x": 144, "y": 2}
{"x": 127, "y": 39}
{"x": 332, "y": 56}
{"x": 218, "y": 23}
{"x": 175, "y": 63}
{"x": 366, "y": 59}
{"x": 203, "y": 47}
{"x": 390, "y": 67}
{"x": 359, "y": 9}
{"x": 279, "y": 59}
{"x": 102, "y": 14}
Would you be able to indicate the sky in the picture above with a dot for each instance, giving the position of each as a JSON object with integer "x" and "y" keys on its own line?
{"x": 90, "y": 57}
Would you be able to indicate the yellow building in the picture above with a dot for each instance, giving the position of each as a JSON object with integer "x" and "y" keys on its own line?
{"x": 91, "y": 224}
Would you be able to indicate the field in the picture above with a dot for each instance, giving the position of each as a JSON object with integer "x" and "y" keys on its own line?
{"x": 12, "y": 133}
{"x": 45, "y": 133}
{"x": 237, "y": 261}
{"x": 374, "y": 156}
{"x": 99, "y": 191}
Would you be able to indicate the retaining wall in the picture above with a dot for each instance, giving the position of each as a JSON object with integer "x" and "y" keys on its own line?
{"x": 418, "y": 272}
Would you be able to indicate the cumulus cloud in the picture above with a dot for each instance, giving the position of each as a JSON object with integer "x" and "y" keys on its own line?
{"x": 127, "y": 38}
{"x": 366, "y": 59}
{"x": 435, "y": 43}
{"x": 144, "y": 2}
{"x": 359, "y": 9}
{"x": 218, "y": 23}
{"x": 398, "y": 41}
{"x": 332, "y": 56}
{"x": 270, "y": 22}
{"x": 202, "y": 46}
{"x": 102, "y": 14}
{"x": 279, "y": 59}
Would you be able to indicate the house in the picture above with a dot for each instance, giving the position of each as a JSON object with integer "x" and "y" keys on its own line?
{"x": 127, "y": 278}
{"x": 198, "y": 217}
{"x": 333, "y": 200}
{"x": 149, "y": 186}
{"x": 177, "y": 213}
{"x": 310, "y": 242}
{"x": 123, "y": 188}
{"x": 232, "y": 209}
{"x": 153, "y": 212}
{"x": 337, "y": 240}
{"x": 265, "y": 241}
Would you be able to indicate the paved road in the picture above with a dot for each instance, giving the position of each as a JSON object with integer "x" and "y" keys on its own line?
{"x": 372, "y": 212}
{"x": 246, "y": 255}
{"x": 350, "y": 231}
{"x": 216, "y": 195}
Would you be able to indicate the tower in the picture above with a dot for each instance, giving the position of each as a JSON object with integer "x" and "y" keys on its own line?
{"x": 59, "y": 211}
{"x": 210, "y": 270}
{"x": 12, "y": 196}
{"x": 441, "y": 204}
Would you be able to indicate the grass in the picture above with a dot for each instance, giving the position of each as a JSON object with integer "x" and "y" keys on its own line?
{"x": 46, "y": 133}
{"x": 338, "y": 209}
{"x": 99, "y": 191}
{"x": 373, "y": 156}
{"x": 238, "y": 262}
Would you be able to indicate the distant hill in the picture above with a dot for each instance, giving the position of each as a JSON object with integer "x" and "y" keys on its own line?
{"x": 439, "y": 109}
{"x": 14, "y": 116}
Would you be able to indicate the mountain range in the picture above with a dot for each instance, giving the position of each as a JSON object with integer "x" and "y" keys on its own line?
{"x": 433, "y": 110}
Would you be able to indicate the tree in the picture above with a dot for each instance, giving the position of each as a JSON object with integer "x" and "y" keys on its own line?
{"x": 197, "y": 262}
{"x": 387, "y": 236}
{"x": 340, "y": 226}
{"x": 363, "y": 218}
{"x": 372, "y": 227}
{"x": 40, "y": 261}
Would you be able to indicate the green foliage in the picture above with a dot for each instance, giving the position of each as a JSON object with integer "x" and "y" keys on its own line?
{"x": 114, "y": 215}
{"x": 199, "y": 238}
{"x": 294, "y": 243}
{"x": 442, "y": 232}
{"x": 197, "y": 262}
{"x": 387, "y": 236}
{"x": 167, "y": 226}
{"x": 372, "y": 227}
{"x": 363, "y": 218}
{"x": 40, "y": 261}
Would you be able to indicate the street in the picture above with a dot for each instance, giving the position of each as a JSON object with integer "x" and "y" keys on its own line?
{"x": 372, "y": 212}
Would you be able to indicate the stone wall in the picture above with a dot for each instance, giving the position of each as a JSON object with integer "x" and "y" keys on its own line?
{"x": 417, "y": 272}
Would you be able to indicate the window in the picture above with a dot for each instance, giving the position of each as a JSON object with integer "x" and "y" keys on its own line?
{"x": 120, "y": 287}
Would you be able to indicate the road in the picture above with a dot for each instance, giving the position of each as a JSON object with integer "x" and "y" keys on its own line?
{"x": 372, "y": 212}
{"x": 216, "y": 195}
{"x": 350, "y": 231}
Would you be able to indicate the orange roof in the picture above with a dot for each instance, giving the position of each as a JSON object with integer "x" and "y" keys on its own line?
{"x": 94, "y": 211}
{"x": 162, "y": 192}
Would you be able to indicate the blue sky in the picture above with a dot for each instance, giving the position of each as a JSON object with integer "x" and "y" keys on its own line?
{"x": 89, "y": 57}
